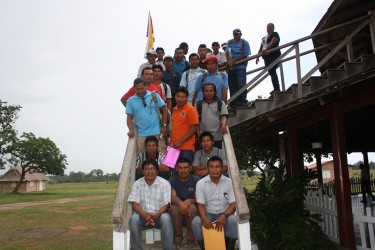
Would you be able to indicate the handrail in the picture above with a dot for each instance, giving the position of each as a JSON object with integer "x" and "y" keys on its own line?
{"x": 119, "y": 218}
{"x": 242, "y": 208}
{"x": 294, "y": 45}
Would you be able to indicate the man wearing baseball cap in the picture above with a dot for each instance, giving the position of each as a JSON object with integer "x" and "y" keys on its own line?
{"x": 221, "y": 58}
{"x": 237, "y": 49}
{"x": 219, "y": 79}
{"x": 151, "y": 60}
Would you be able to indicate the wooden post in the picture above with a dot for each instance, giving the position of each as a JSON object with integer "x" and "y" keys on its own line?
{"x": 319, "y": 167}
{"x": 372, "y": 29}
{"x": 295, "y": 155}
{"x": 299, "y": 80}
{"x": 349, "y": 50}
{"x": 342, "y": 186}
{"x": 365, "y": 158}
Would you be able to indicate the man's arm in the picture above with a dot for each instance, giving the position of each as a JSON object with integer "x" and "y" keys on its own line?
{"x": 137, "y": 208}
{"x": 202, "y": 213}
{"x": 220, "y": 224}
{"x": 224, "y": 95}
{"x": 162, "y": 210}
{"x": 223, "y": 124}
{"x": 123, "y": 100}
{"x": 191, "y": 132}
{"x": 164, "y": 119}
{"x": 129, "y": 122}
{"x": 200, "y": 170}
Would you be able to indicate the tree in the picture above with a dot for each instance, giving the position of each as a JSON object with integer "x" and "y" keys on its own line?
{"x": 36, "y": 154}
{"x": 8, "y": 115}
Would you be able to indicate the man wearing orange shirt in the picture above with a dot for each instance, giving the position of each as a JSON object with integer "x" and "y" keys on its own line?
{"x": 148, "y": 76}
{"x": 184, "y": 125}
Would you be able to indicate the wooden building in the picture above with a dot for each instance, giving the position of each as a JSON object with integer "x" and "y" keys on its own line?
{"x": 33, "y": 182}
{"x": 328, "y": 173}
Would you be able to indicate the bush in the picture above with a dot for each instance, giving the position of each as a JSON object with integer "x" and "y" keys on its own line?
{"x": 278, "y": 218}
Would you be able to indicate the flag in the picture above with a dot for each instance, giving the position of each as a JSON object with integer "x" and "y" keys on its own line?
{"x": 150, "y": 35}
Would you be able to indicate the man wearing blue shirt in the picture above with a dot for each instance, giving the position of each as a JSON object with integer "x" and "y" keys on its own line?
{"x": 143, "y": 108}
{"x": 237, "y": 49}
{"x": 219, "y": 79}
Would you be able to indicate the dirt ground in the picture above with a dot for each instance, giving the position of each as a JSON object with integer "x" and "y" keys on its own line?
{"x": 40, "y": 203}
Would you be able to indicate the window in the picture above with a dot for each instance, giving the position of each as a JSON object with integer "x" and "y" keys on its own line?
{"x": 326, "y": 174}
{"x": 31, "y": 183}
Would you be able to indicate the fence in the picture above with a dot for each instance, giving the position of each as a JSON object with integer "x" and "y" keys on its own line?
{"x": 355, "y": 186}
{"x": 317, "y": 202}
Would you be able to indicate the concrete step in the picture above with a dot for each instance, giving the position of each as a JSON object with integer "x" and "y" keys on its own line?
{"x": 241, "y": 115}
{"x": 336, "y": 75}
{"x": 263, "y": 105}
{"x": 282, "y": 97}
{"x": 317, "y": 83}
{"x": 368, "y": 61}
{"x": 353, "y": 68}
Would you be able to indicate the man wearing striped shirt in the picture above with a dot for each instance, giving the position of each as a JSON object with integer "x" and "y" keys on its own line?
{"x": 150, "y": 198}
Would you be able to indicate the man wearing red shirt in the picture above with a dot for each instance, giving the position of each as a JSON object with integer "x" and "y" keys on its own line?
{"x": 148, "y": 76}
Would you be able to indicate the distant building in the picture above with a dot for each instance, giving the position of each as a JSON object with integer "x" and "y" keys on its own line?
{"x": 327, "y": 170}
{"x": 33, "y": 182}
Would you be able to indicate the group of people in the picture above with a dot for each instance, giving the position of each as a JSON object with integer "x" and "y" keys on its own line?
{"x": 181, "y": 103}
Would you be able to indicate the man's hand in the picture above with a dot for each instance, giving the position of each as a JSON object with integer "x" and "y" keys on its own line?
{"x": 207, "y": 223}
{"x": 220, "y": 223}
{"x": 131, "y": 133}
{"x": 223, "y": 130}
{"x": 149, "y": 219}
{"x": 177, "y": 144}
{"x": 164, "y": 131}
{"x": 184, "y": 208}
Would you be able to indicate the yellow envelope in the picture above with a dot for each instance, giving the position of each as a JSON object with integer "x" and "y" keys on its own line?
{"x": 213, "y": 240}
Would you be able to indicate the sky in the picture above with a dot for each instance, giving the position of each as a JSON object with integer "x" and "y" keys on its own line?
{"x": 68, "y": 62}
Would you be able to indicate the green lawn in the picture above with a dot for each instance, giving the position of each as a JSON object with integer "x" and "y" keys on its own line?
{"x": 73, "y": 225}
{"x": 60, "y": 191}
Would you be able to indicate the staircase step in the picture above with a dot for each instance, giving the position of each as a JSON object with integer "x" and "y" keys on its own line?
{"x": 241, "y": 115}
{"x": 368, "y": 61}
{"x": 353, "y": 68}
{"x": 336, "y": 75}
{"x": 282, "y": 97}
{"x": 264, "y": 105}
{"x": 317, "y": 83}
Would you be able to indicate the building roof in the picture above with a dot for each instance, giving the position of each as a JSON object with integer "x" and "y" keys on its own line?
{"x": 14, "y": 174}
{"x": 313, "y": 165}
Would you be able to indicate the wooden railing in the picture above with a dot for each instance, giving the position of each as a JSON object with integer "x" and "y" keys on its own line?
{"x": 295, "y": 46}
{"x": 121, "y": 213}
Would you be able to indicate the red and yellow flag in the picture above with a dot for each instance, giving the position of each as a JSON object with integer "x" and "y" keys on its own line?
{"x": 150, "y": 35}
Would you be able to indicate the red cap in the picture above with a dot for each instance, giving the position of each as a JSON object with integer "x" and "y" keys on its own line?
{"x": 210, "y": 58}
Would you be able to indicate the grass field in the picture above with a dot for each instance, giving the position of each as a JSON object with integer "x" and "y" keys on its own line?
{"x": 72, "y": 225}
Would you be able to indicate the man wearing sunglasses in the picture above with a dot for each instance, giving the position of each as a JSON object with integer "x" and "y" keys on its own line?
{"x": 142, "y": 108}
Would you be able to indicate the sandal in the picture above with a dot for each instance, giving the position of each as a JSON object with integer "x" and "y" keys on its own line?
{"x": 189, "y": 244}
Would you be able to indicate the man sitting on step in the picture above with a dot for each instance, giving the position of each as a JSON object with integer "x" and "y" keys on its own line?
{"x": 150, "y": 197}
{"x": 216, "y": 203}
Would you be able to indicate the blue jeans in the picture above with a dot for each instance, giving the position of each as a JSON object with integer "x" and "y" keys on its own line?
{"x": 230, "y": 228}
{"x": 275, "y": 80}
{"x": 137, "y": 224}
{"x": 237, "y": 79}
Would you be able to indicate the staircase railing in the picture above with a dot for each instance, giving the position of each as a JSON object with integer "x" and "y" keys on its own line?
{"x": 121, "y": 209}
{"x": 295, "y": 46}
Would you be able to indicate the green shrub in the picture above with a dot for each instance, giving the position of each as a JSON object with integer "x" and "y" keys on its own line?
{"x": 278, "y": 218}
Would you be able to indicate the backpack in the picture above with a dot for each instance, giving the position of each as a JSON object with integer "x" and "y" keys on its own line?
{"x": 242, "y": 41}
{"x": 199, "y": 107}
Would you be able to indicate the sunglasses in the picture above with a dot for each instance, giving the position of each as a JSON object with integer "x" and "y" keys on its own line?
{"x": 144, "y": 102}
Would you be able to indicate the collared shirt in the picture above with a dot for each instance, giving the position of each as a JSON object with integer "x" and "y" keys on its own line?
{"x": 151, "y": 198}
{"x": 215, "y": 197}
{"x": 182, "y": 119}
{"x": 172, "y": 78}
{"x": 220, "y": 79}
{"x": 190, "y": 80}
{"x": 201, "y": 158}
{"x": 146, "y": 117}
{"x": 210, "y": 118}
{"x": 180, "y": 67}
{"x": 237, "y": 49}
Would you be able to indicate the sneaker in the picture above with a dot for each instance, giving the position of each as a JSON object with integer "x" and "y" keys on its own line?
{"x": 189, "y": 244}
